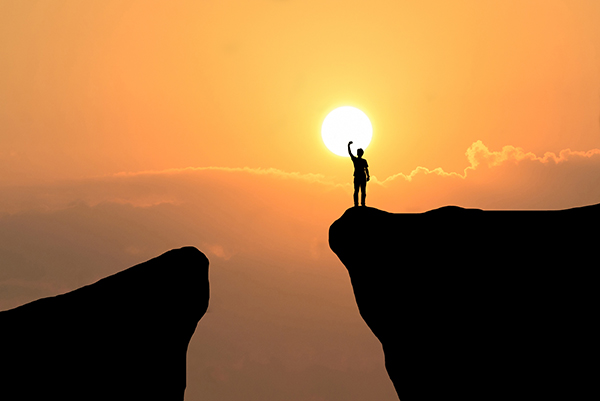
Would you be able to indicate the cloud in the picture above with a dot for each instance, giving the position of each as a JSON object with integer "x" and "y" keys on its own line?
{"x": 226, "y": 212}
{"x": 502, "y": 179}
{"x": 510, "y": 178}
{"x": 478, "y": 154}
{"x": 151, "y": 187}
{"x": 273, "y": 172}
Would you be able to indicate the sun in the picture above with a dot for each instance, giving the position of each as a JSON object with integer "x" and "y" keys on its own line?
{"x": 343, "y": 125}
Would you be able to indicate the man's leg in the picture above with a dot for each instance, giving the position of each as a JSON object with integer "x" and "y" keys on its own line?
{"x": 356, "y": 186}
{"x": 363, "y": 188}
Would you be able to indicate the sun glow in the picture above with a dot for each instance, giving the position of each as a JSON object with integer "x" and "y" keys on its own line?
{"x": 343, "y": 125}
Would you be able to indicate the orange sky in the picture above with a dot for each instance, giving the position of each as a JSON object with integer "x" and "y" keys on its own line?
{"x": 131, "y": 127}
{"x": 103, "y": 87}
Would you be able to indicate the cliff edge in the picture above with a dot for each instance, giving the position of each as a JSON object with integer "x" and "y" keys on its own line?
{"x": 124, "y": 337}
{"x": 478, "y": 305}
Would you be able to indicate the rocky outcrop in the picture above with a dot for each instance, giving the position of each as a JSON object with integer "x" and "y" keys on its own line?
{"x": 478, "y": 305}
{"x": 124, "y": 337}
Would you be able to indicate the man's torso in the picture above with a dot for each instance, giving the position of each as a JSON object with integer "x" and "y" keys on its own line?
{"x": 360, "y": 165}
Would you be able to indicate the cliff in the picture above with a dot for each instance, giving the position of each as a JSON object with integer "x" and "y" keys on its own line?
{"x": 478, "y": 305}
{"x": 124, "y": 337}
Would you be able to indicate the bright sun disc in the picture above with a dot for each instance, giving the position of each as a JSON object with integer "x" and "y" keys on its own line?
{"x": 343, "y": 125}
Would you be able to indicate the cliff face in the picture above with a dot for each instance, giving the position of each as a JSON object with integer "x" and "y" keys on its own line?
{"x": 478, "y": 305}
{"x": 124, "y": 337}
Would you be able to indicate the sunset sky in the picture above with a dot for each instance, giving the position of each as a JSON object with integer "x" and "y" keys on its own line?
{"x": 128, "y": 128}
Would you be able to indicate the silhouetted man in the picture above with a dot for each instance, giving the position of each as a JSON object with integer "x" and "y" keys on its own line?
{"x": 361, "y": 175}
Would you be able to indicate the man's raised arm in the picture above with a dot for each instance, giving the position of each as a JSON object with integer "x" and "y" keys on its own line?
{"x": 349, "y": 151}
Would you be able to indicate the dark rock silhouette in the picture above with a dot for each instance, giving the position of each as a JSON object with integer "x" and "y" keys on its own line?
{"x": 478, "y": 305}
{"x": 124, "y": 337}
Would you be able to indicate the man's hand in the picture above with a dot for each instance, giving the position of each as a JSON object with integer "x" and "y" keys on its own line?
{"x": 350, "y": 143}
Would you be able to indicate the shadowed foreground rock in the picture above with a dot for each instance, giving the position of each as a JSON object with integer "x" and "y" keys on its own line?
{"x": 478, "y": 305}
{"x": 124, "y": 337}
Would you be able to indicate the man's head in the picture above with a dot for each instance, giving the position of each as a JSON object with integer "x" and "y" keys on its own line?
{"x": 360, "y": 152}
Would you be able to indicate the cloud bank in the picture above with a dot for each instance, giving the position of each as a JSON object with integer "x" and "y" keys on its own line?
{"x": 510, "y": 178}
